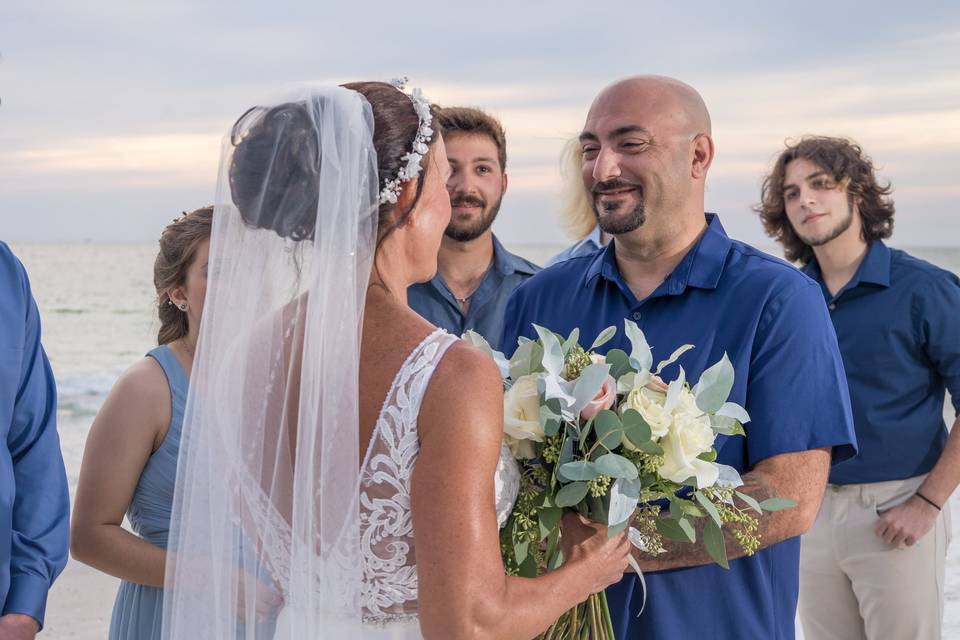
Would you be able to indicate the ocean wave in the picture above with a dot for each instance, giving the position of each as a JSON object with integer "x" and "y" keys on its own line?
{"x": 86, "y": 385}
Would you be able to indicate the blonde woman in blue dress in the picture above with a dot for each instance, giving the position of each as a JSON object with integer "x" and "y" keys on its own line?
{"x": 130, "y": 460}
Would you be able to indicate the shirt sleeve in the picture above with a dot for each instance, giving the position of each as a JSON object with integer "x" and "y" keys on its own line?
{"x": 797, "y": 394}
{"x": 40, "y": 524}
{"x": 939, "y": 311}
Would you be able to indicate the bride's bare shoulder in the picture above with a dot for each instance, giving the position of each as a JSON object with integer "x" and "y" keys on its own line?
{"x": 466, "y": 392}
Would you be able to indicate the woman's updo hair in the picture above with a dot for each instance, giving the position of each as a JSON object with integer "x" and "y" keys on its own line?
{"x": 276, "y": 163}
{"x": 178, "y": 248}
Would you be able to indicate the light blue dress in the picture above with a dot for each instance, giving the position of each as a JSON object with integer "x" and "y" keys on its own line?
{"x": 138, "y": 609}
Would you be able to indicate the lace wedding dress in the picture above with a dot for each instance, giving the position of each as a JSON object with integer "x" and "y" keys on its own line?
{"x": 386, "y": 525}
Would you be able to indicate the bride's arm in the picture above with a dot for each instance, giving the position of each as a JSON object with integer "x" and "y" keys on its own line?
{"x": 463, "y": 590}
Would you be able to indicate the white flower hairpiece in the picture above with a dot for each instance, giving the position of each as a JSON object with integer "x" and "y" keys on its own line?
{"x": 391, "y": 188}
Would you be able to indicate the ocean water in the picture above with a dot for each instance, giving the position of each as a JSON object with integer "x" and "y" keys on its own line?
{"x": 97, "y": 305}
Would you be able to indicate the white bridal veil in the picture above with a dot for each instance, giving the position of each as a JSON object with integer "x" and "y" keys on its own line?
{"x": 264, "y": 535}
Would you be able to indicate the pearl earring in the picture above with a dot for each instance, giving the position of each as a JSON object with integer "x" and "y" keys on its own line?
{"x": 182, "y": 307}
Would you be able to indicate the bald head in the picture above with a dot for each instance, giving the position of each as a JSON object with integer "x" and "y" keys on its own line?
{"x": 673, "y": 103}
{"x": 646, "y": 150}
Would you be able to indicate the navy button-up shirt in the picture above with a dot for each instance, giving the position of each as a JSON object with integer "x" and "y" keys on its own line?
{"x": 898, "y": 325}
{"x": 34, "y": 503}
{"x": 434, "y": 301}
{"x": 770, "y": 319}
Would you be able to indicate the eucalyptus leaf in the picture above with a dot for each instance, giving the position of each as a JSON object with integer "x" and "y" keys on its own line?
{"x": 585, "y": 433}
{"x": 549, "y": 421}
{"x": 635, "y": 428}
{"x": 674, "y": 389}
{"x": 566, "y": 451}
{"x": 750, "y": 501}
{"x": 776, "y": 504}
{"x": 520, "y": 550}
{"x": 572, "y": 494}
{"x": 529, "y": 568}
{"x": 673, "y": 358}
{"x": 554, "y": 561}
{"x": 619, "y": 362}
{"x": 526, "y": 359}
{"x": 571, "y": 341}
{"x": 726, "y": 426}
{"x": 578, "y": 470}
{"x": 688, "y": 529}
{"x": 714, "y": 386}
{"x": 735, "y": 411}
{"x": 605, "y": 336}
{"x": 615, "y": 529}
{"x": 608, "y": 428}
{"x": 549, "y": 520}
{"x": 728, "y": 477}
{"x": 552, "y": 351}
{"x": 641, "y": 358}
{"x": 650, "y": 447}
{"x": 708, "y": 456}
{"x": 556, "y": 388}
{"x": 674, "y": 530}
{"x": 617, "y": 466}
{"x": 481, "y": 343}
{"x": 714, "y": 543}
{"x": 624, "y": 495}
{"x": 709, "y": 507}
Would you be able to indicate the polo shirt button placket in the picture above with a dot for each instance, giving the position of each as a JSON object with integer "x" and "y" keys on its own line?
{"x": 636, "y": 316}
{"x": 832, "y": 306}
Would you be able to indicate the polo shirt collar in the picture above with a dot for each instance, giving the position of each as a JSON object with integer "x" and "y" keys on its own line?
{"x": 874, "y": 269}
{"x": 702, "y": 267}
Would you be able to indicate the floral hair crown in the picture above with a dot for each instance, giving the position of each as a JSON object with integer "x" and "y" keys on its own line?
{"x": 410, "y": 170}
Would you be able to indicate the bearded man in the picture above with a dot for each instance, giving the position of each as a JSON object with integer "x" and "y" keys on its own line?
{"x": 671, "y": 268}
{"x": 476, "y": 275}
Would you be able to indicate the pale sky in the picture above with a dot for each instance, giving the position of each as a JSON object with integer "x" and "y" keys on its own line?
{"x": 112, "y": 112}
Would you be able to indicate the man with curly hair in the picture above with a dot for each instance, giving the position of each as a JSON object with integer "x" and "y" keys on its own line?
{"x": 872, "y": 565}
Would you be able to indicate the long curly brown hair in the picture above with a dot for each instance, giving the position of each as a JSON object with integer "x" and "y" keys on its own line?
{"x": 850, "y": 167}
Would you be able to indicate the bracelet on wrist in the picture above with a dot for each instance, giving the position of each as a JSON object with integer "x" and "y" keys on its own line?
{"x": 928, "y": 501}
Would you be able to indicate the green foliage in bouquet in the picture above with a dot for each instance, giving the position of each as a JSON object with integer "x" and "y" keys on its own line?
{"x": 605, "y": 436}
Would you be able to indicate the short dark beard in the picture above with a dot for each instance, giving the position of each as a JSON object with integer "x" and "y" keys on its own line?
{"x": 620, "y": 224}
{"x": 466, "y": 234}
{"x": 842, "y": 226}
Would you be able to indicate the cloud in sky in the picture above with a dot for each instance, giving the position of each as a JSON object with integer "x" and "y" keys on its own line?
{"x": 112, "y": 114}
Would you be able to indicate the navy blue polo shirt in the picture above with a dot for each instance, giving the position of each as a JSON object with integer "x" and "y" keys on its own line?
{"x": 770, "y": 319}
{"x": 434, "y": 301}
{"x": 898, "y": 325}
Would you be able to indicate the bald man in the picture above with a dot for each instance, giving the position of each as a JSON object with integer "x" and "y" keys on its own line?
{"x": 670, "y": 267}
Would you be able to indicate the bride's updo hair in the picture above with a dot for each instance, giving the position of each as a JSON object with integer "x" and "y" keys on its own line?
{"x": 276, "y": 161}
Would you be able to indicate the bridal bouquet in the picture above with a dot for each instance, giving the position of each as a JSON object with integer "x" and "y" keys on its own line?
{"x": 606, "y": 436}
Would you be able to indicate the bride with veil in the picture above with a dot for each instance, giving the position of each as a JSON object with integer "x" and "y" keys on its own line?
{"x": 341, "y": 470}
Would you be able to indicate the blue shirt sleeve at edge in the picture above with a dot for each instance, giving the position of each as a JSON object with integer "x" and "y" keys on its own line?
{"x": 939, "y": 309}
{"x": 41, "y": 527}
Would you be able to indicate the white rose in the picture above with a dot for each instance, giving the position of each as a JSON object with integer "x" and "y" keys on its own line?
{"x": 649, "y": 404}
{"x": 689, "y": 436}
{"x": 521, "y": 416}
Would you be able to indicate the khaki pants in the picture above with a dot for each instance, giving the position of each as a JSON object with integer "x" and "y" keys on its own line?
{"x": 854, "y": 586}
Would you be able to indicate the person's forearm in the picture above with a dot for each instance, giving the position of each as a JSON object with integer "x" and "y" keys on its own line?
{"x": 943, "y": 479}
{"x": 773, "y": 527}
{"x": 114, "y": 550}
{"x": 520, "y": 609}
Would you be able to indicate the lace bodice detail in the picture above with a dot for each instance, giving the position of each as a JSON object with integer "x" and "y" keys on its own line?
{"x": 386, "y": 523}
